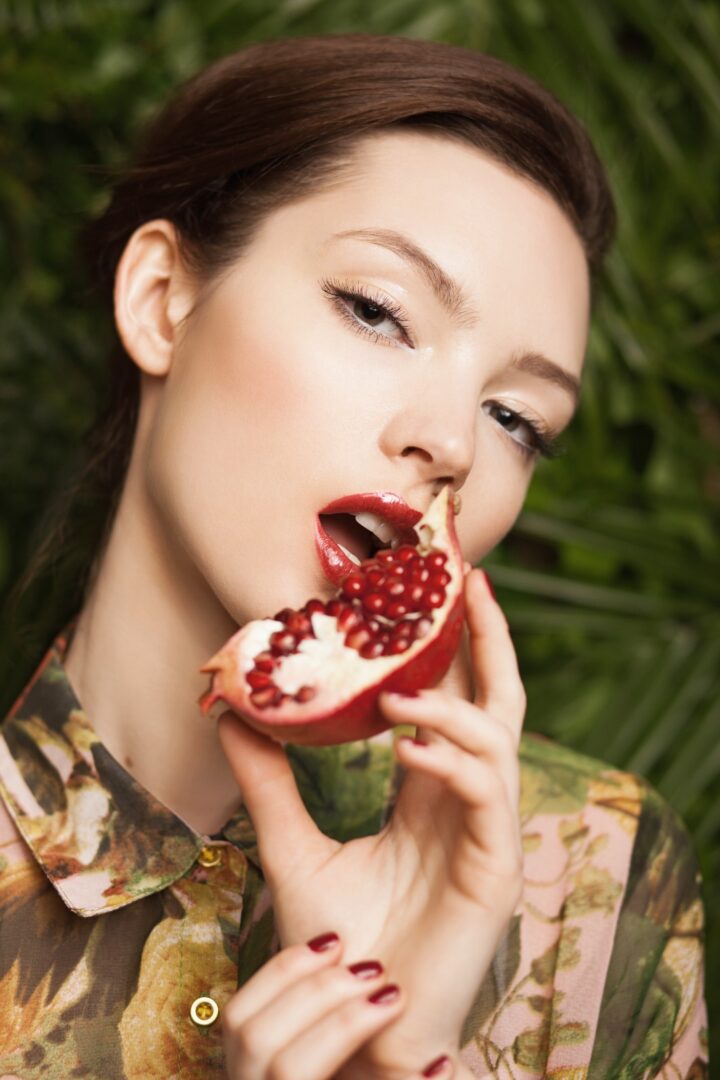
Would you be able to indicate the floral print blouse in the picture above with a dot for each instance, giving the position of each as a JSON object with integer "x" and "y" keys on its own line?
{"x": 123, "y": 932}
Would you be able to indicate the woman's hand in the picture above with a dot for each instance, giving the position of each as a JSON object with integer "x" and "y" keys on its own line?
{"x": 431, "y": 894}
{"x": 304, "y": 1014}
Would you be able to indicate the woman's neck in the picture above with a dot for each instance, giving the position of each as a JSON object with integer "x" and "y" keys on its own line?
{"x": 147, "y": 626}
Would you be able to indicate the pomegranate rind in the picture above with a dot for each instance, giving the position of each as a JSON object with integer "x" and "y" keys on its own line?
{"x": 339, "y": 716}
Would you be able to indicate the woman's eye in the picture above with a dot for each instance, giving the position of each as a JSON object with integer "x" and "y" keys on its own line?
{"x": 535, "y": 440}
{"x": 371, "y": 313}
{"x": 366, "y": 314}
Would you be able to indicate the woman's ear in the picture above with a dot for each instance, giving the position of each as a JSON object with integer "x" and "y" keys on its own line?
{"x": 153, "y": 293}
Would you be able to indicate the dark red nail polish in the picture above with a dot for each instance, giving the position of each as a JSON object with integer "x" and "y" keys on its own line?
{"x": 436, "y": 1066}
{"x": 410, "y": 739}
{"x": 323, "y": 942}
{"x": 386, "y": 995}
{"x": 366, "y": 969}
{"x": 489, "y": 584}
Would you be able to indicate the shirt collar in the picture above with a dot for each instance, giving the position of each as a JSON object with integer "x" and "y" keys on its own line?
{"x": 104, "y": 841}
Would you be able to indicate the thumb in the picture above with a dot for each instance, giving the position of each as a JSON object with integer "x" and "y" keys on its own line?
{"x": 286, "y": 833}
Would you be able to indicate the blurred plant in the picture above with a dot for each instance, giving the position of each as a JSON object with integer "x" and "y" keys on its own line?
{"x": 611, "y": 576}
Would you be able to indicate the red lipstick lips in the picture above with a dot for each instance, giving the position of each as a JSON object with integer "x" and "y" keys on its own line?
{"x": 390, "y": 507}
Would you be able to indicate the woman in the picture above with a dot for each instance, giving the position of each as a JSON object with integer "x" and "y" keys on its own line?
{"x": 339, "y": 265}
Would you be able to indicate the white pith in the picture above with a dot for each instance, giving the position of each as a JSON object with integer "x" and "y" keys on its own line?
{"x": 326, "y": 655}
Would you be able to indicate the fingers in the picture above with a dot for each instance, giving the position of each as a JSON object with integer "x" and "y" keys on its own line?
{"x": 490, "y": 817}
{"x": 270, "y": 792}
{"x": 499, "y": 688}
{"x": 474, "y": 757}
{"x": 304, "y": 1014}
{"x": 443, "y": 719}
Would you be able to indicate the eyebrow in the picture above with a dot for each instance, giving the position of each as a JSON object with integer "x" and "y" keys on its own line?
{"x": 456, "y": 303}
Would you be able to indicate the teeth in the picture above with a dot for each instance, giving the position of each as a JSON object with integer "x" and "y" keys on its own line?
{"x": 353, "y": 558}
{"x": 375, "y": 524}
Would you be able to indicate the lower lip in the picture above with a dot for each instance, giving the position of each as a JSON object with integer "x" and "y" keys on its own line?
{"x": 335, "y": 563}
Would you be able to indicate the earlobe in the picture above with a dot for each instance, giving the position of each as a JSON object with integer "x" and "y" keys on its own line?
{"x": 152, "y": 296}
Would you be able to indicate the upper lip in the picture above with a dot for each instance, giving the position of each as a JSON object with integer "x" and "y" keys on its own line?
{"x": 386, "y": 504}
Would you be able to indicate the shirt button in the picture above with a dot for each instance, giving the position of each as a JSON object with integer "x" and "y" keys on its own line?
{"x": 204, "y": 1011}
{"x": 209, "y": 856}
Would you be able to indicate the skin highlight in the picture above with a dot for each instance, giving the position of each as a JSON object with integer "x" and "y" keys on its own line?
{"x": 260, "y": 403}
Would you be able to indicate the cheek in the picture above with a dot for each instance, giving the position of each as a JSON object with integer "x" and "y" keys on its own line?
{"x": 248, "y": 382}
{"x": 491, "y": 504}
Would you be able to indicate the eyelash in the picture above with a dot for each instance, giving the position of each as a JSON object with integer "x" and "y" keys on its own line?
{"x": 543, "y": 444}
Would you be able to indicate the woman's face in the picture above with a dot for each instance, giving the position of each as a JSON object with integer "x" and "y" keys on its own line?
{"x": 284, "y": 395}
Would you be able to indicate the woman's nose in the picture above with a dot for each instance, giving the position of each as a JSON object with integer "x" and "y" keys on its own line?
{"x": 444, "y": 445}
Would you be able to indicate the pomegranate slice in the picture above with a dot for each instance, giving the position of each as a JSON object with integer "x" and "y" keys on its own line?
{"x": 313, "y": 676}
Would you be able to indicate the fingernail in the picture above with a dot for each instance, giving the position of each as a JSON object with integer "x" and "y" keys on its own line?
{"x": 436, "y": 1066}
{"x": 366, "y": 969}
{"x": 323, "y": 942}
{"x": 489, "y": 584}
{"x": 402, "y": 695}
{"x": 385, "y": 995}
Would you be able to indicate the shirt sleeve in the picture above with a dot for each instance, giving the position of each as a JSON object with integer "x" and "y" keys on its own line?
{"x": 653, "y": 1020}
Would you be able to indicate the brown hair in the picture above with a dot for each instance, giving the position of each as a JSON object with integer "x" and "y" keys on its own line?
{"x": 272, "y": 123}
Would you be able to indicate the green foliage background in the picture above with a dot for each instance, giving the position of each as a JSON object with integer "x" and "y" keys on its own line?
{"x": 611, "y": 577}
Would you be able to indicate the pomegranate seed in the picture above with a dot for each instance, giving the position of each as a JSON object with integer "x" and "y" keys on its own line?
{"x": 404, "y": 629}
{"x": 414, "y": 595}
{"x": 406, "y": 553}
{"x": 386, "y": 555}
{"x": 358, "y": 637}
{"x": 305, "y": 693}
{"x": 374, "y": 625}
{"x": 284, "y": 615}
{"x": 423, "y": 626}
{"x": 372, "y": 649}
{"x": 353, "y": 585}
{"x": 418, "y": 573}
{"x": 396, "y": 609}
{"x": 397, "y": 645}
{"x": 396, "y": 589}
{"x": 349, "y": 618}
{"x": 397, "y": 570}
{"x": 433, "y": 598}
{"x": 258, "y": 679}
{"x": 436, "y": 560}
{"x": 375, "y": 603}
{"x": 271, "y": 695}
{"x": 299, "y": 623}
{"x": 334, "y": 607}
{"x": 313, "y": 606}
{"x": 375, "y": 577}
{"x": 283, "y": 642}
{"x": 265, "y": 661}
{"x": 439, "y": 579}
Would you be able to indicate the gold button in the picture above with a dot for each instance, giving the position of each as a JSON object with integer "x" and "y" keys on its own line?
{"x": 204, "y": 1011}
{"x": 209, "y": 856}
